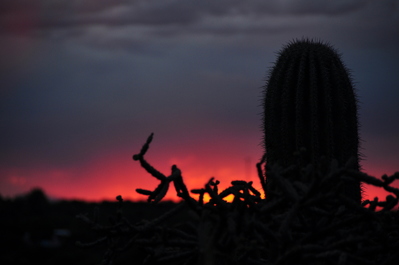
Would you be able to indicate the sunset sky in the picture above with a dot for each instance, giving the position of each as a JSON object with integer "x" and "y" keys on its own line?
{"x": 84, "y": 83}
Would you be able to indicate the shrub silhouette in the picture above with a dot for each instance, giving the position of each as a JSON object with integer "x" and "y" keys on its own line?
{"x": 310, "y": 104}
{"x": 314, "y": 216}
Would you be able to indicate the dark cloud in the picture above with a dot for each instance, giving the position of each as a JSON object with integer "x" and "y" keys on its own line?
{"x": 161, "y": 12}
{"x": 60, "y": 14}
{"x": 109, "y": 24}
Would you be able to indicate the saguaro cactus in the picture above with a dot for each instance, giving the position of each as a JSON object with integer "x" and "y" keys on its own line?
{"x": 310, "y": 103}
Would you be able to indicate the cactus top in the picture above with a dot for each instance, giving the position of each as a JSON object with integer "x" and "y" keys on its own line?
{"x": 310, "y": 103}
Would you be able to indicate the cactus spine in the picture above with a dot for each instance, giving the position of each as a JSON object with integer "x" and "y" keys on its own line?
{"x": 310, "y": 103}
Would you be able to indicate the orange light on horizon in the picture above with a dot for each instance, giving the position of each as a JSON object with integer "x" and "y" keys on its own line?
{"x": 107, "y": 176}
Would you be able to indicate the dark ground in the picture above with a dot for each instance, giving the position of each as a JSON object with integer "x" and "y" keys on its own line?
{"x": 37, "y": 231}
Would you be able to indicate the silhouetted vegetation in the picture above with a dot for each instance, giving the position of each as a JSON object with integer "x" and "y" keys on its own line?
{"x": 310, "y": 222}
{"x": 35, "y": 230}
{"x": 312, "y": 213}
{"x": 310, "y": 104}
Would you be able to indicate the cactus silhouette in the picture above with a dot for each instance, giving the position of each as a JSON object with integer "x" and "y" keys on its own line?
{"x": 310, "y": 104}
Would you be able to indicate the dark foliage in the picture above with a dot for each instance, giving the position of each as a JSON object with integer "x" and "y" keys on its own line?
{"x": 304, "y": 226}
{"x": 312, "y": 213}
{"x": 36, "y": 230}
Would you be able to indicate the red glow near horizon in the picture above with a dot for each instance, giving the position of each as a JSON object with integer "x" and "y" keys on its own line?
{"x": 115, "y": 173}
{"x": 105, "y": 179}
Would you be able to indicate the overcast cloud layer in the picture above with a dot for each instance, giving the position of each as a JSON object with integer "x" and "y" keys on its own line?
{"x": 363, "y": 22}
{"x": 83, "y": 78}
